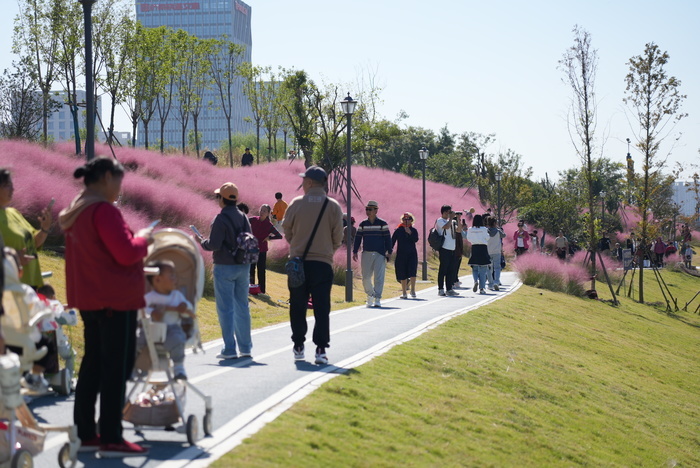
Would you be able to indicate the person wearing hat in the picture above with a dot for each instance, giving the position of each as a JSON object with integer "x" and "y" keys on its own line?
{"x": 230, "y": 278}
{"x": 298, "y": 224}
{"x": 373, "y": 233}
{"x": 247, "y": 158}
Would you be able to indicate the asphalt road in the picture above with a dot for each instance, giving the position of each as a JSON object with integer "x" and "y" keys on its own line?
{"x": 247, "y": 393}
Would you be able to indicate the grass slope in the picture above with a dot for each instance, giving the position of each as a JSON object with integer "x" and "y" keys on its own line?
{"x": 536, "y": 379}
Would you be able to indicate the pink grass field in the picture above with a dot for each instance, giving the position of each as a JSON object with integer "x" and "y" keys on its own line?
{"x": 179, "y": 189}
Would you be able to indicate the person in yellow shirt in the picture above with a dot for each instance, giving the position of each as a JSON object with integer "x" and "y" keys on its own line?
{"x": 278, "y": 212}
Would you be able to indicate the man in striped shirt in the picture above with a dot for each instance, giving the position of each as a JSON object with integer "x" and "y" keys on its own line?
{"x": 373, "y": 233}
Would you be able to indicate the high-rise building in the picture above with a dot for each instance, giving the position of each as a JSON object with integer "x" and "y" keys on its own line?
{"x": 204, "y": 19}
{"x": 60, "y": 124}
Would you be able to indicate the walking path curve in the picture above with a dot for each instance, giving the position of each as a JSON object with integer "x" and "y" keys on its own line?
{"x": 248, "y": 393}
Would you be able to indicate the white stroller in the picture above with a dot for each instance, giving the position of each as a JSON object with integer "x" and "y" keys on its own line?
{"x": 21, "y": 436}
{"x": 157, "y": 399}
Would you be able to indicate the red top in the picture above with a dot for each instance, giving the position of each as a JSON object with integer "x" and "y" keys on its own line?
{"x": 104, "y": 261}
{"x": 262, "y": 230}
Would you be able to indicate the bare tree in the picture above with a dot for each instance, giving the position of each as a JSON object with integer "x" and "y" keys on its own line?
{"x": 580, "y": 64}
{"x": 655, "y": 104}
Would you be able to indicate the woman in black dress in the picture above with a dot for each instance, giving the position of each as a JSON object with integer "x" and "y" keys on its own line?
{"x": 406, "y": 262}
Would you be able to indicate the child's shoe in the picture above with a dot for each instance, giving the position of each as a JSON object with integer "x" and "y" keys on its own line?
{"x": 35, "y": 383}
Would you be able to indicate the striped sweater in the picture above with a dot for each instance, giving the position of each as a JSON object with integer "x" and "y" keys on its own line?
{"x": 374, "y": 237}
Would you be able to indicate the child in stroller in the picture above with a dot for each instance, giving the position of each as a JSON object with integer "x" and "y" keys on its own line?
{"x": 167, "y": 305}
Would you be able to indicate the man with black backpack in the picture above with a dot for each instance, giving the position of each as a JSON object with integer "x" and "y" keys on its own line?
{"x": 313, "y": 226}
{"x": 234, "y": 247}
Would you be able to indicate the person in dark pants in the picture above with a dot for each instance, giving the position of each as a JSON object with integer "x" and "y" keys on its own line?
{"x": 263, "y": 230}
{"x": 298, "y": 224}
{"x": 105, "y": 281}
{"x": 445, "y": 226}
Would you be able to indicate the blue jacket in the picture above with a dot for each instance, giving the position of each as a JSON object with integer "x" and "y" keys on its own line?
{"x": 374, "y": 237}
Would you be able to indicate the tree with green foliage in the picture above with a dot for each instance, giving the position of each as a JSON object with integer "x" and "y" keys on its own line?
{"x": 224, "y": 61}
{"x": 35, "y": 40}
{"x": 201, "y": 82}
{"x": 655, "y": 103}
{"x": 558, "y": 211}
{"x": 253, "y": 89}
{"x": 299, "y": 105}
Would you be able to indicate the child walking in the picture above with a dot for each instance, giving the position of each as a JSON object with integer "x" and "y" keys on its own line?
{"x": 164, "y": 303}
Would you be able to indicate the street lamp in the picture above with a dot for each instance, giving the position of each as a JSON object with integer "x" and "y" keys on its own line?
{"x": 602, "y": 206}
{"x": 89, "y": 91}
{"x": 498, "y": 181}
{"x": 348, "y": 105}
{"x": 423, "y": 153}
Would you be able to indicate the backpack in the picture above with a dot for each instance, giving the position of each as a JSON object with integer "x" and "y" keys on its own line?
{"x": 247, "y": 250}
{"x": 435, "y": 239}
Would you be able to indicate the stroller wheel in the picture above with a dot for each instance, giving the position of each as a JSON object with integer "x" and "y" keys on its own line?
{"x": 22, "y": 459}
{"x": 64, "y": 460}
{"x": 192, "y": 429}
{"x": 207, "y": 423}
{"x": 64, "y": 382}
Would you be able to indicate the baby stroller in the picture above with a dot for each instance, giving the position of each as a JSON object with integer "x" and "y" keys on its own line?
{"x": 157, "y": 399}
{"x": 21, "y": 436}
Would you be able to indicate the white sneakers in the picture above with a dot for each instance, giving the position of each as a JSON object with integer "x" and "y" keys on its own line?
{"x": 373, "y": 301}
{"x": 377, "y": 302}
{"x": 370, "y": 301}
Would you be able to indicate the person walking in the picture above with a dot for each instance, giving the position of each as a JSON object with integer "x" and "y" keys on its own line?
{"x": 105, "y": 281}
{"x": 495, "y": 249}
{"x": 374, "y": 236}
{"x": 278, "y": 211}
{"x": 445, "y": 227}
{"x": 478, "y": 236}
{"x": 406, "y": 261}
{"x": 263, "y": 230}
{"x": 230, "y": 277}
{"x": 520, "y": 239}
{"x": 313, "y": 226}
{"x": 561, "y": 245}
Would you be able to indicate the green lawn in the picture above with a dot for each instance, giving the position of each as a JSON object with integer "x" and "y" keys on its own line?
{"x": 536, "y": 379}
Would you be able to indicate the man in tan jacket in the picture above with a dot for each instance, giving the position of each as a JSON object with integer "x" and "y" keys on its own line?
{"x": 298, "y": 224}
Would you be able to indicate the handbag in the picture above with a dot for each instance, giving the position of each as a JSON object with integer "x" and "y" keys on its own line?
{"x": 503, "y": 260}
{"x": 295, "y": 266}
{"x": 435, "y": 239}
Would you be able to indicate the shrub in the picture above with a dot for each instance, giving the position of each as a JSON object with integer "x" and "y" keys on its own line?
{"x": 547, "y": 272}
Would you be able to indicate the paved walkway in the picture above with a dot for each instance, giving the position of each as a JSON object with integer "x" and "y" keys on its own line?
{"x": 248, "y": 393}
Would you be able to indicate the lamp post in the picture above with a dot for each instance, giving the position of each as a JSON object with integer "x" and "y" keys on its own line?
{"x": 348, "y": 104}
{"x": 89, "y": 87}
{"x": 498, "y": 182}
{"x": 602, "y": 209}
{"x": 423, "y": 153}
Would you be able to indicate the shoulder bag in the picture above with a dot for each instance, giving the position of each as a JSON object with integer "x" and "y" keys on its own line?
{"x": 295, "y": 266}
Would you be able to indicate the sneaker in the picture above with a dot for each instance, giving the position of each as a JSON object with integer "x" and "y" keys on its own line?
{"x": 223, "y": 356}
{"x": 370, "y": 301}
{"x": 245, "y": 355}
{"x": 298, "y": 353}
{"x": 180, "y": 376}
{"x": 179, "y": 371}
{"x": 476, "y": 286}
{"x": 404, "y": 296}
{"x": 458, "y": 284}
{"x": 413, "y": 294}
{"x": 92, "y": 445}
{"x": 377, "y": 302}
{"x": 35, "y": 383}
{"x": 121, "y": 450}
{"x": 481, "y": 291}
{"x": 321, "y": 357}
{"x": 452, "y": 292}
{"x": 441, "y": 292}
{"x": 496, "y": 288}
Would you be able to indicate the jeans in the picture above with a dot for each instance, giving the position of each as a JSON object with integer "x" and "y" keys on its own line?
{"x": 447, "y": 258}
{"x": 319, "y": 280}
{"x": 495, "y": 270}
{"x": 373, "y": 265}
{"x": 261, "y": 266}
{"x": 480, "y": 272}
{"x": 231, "y": 291}
{"x": 110, "y": 346}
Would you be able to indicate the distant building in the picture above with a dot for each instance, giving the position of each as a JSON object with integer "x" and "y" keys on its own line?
{"x": 684, "y": 198}
{"x": 205, "y": 19}
{"x": 60, "y": 124}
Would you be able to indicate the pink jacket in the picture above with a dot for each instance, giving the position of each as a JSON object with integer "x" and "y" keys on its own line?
{"x": 525, "y": 236}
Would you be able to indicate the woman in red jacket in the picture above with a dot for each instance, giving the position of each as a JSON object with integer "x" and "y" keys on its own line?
{"x": 105, "y": 281}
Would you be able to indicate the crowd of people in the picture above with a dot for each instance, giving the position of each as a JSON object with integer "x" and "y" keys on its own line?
{"x": 106, "y": 280}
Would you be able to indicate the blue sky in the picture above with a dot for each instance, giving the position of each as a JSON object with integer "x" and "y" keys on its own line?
{"x": 487, "y": 67}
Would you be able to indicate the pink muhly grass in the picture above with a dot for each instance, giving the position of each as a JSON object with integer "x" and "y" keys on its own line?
{"x": 547, "y": 272}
